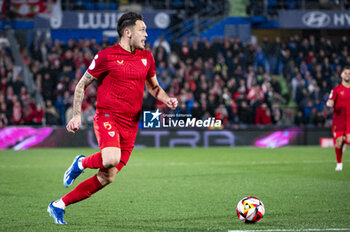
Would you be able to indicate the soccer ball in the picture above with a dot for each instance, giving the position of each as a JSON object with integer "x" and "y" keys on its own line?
{"x": 250, "y": 210}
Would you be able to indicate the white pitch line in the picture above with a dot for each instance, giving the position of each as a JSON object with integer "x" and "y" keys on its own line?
{"x": 229, "y": 163}
{"x": 293, "y": 230}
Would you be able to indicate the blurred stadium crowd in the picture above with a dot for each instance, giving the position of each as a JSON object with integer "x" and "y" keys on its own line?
{"x": 266, "y": 83}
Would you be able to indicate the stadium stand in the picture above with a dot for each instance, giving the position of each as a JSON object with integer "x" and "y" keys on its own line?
{"x": 273, "y": 82}
{"x": 240, "y": 84}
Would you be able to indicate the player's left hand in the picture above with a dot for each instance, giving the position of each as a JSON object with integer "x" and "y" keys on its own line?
{"x": 171, "y": 103}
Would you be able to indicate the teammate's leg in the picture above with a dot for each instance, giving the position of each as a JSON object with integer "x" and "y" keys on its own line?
{"x": 339, "y": 142}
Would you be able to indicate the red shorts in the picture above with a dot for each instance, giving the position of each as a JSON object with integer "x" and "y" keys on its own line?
{"x": 110, "y": 134}
{"x": 339, "y": 130}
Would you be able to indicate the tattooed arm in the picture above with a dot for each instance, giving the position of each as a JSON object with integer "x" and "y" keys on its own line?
{"x": 158, "y": 92}
{"x": 85, "y": 81}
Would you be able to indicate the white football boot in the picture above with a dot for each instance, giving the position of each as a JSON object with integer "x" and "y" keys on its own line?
{"x": 339, "y": 167}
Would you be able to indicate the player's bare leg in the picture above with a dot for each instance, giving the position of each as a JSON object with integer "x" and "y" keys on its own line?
{"x": 339, "y": 143}
{"x": 345, "y": 144}
{"x": 347, "y": 139}
{"x": 110, "y": 159}
{"x": 107, "y": 177}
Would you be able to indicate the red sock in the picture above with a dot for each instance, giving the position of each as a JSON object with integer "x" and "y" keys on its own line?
{"x": 339, "y": 154}
{"x": 93, "y": 161}
{"x": 84, "y": 190}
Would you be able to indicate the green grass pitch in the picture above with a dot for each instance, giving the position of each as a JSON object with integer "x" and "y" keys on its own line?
{"x": 181, "y": 189}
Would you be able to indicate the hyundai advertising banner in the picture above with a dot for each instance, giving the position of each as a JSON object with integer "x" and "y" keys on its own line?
{"x": 314, "y": 19}
{"x": 98, "y": 20}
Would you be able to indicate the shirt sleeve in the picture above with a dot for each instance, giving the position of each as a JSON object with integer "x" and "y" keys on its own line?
{"x": 152, "y": 68}
{"x": 333, "y": 95}
{"x": 99, "y": 66}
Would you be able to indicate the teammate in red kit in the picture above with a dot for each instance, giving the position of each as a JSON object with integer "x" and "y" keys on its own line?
{"x": 339, "y": 99}
{"x": 121, "y": 72}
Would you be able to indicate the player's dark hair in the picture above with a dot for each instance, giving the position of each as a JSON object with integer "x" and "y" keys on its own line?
{"x": 346, "y": 67}
{"x": 126, "y": 20}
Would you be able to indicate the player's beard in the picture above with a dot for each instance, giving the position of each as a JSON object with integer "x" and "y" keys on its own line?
{"x": 142, "y": 46}
{"x": 138, "y": 46}
{"x": 347, "y": 80}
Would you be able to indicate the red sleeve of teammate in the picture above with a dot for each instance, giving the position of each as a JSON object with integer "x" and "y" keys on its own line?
{"x": 333, "y": 95}
{"x": 152, "y": 68}
{"x": 99, "y": 66}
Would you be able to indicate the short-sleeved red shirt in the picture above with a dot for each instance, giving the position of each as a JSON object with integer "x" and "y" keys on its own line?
{"x": 121, "y": 79}
{"x": 341, "y": 115}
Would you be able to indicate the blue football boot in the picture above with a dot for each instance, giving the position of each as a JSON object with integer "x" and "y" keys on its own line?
{"x": 72, "y": 172}
{"x": 56, "y": 213}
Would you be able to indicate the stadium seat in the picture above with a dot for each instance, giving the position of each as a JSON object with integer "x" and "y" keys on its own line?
{"x": 113, "y": 6}
{"x": 177, "y": 4}
{"x": 100, "y": 6}
{"x": 89, "y": 6}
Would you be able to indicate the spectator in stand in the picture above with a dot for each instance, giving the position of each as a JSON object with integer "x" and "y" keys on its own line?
{"x": 245, "y": 113}
{"x": 48, "y": 86}
{"x": 263, "y": 115}
{"x": 69, "y": 113}
{"x": 161, "y": 42}
{"x": 277, "y": 114}
{"x": 4, "y": 42}
{"x": 38, "y": 115}
{"x": 260, "y": 58}
{"x": 17, "y": 85}
{"x": 61, "y": 108}
{"x": 3, "y": 120}
{"x": 88, "y": 115}
{"x": 5, "y": 110}
{"x": 274, "y": 55}
{"x": 221, "y": 113}
{"x": 51, "y": 115}
{"x": 28, "y": 109}
{"x": 17, "y": 113}
{"x": 206, "y": 75}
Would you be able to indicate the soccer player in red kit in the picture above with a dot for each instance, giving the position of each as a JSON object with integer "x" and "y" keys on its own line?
{"x": 121, "y": 72}
{"x": 339, "y": 99}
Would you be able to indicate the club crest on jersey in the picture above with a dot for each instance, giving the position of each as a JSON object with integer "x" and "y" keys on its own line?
{"x": 120, "y": 62}
{"x": 342, "y": 93}
{"x": 144, "y": 61}
{"x": 111, "y": 133}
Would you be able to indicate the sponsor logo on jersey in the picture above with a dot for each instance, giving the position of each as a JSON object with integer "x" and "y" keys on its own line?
{"x": 144, "y": 61}
{"x": 120, "y": 62}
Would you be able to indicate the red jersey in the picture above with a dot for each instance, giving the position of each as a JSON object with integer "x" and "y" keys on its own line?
{"x": 341, "y": 115}
{"x": 121, "y": 79}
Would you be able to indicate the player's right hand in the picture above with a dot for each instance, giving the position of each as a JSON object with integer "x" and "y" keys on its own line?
{"x": 73, "y": 124}
{"x": 330, "y": 103}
